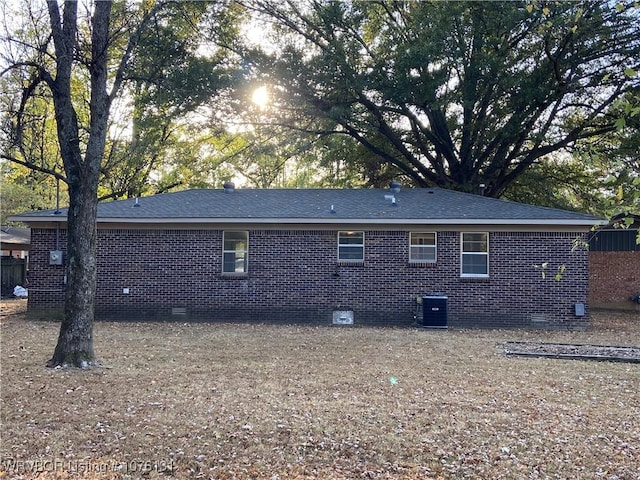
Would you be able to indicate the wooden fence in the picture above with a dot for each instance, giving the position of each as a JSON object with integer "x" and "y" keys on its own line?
{"x": 14, "y": 272}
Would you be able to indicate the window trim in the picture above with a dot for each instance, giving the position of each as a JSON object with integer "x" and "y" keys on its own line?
{"x": 339, "y": 245}
{"x": 245, "y": 251}
{"x": 463, "y": 253}
{"x": 434, "y": 246}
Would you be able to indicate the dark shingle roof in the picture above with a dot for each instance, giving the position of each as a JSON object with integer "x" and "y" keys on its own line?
{"x": 15, "y": 236}
{"x": 431, "y": 205}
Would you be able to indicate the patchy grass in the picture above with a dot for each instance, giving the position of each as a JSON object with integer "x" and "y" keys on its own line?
{"x": 176, "y": 400}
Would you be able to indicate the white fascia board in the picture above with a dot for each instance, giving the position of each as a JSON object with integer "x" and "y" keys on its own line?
{"x": 34, "y": 220}
{"x": 357, "y": 221}
{"x": 38, "y": 219}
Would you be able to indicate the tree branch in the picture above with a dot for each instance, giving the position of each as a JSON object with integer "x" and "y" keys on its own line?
{"x": 33, "y": 166}
{"x": 134, "y": 39}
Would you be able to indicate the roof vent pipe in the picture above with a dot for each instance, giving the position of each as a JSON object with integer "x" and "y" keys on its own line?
{"x": 395, "y": 186}
{"x": 229, "y": 187}
{"x": 392, "y": 198}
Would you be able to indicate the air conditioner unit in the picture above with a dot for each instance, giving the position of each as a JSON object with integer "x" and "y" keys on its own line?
{"x": 55, "y": 257}
{"x": 434, "y": 311}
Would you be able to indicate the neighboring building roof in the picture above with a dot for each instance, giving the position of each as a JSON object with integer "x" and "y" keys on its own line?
{"x": 615, "y": 236}
{"x": 323, "y": 206}
{"x": 15, "y": 238}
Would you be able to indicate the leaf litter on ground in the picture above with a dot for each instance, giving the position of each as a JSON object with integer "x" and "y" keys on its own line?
{"x": 239, "y": 401}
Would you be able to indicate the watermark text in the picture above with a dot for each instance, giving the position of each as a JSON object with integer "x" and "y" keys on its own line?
{"x": 40, "y": 465}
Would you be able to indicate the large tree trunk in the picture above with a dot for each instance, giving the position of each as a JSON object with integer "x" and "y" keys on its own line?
{"x": 75, "y": 342}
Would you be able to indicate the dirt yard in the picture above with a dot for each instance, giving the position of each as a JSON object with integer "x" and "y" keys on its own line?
{"x": 223, "y": 401}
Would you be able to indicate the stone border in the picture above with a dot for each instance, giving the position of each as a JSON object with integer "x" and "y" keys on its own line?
{"x": 571, "y": 351}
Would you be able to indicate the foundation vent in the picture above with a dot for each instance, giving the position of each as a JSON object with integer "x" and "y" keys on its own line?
{"x": 343, "y": 317}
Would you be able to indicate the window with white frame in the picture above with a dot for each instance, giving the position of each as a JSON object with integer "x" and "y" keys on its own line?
{"x": 235, "y": 248}
{"x": 474, "y": 261}
{"x": 422, "y": 247}
{"x": 351, "y": 246}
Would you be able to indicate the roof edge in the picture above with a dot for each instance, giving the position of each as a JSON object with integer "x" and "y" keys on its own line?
{"x": 587, "y": 222}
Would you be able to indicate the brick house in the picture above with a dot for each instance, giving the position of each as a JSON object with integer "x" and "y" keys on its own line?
{"x": 614, "y": 266}
{"x": 368, "y": 256}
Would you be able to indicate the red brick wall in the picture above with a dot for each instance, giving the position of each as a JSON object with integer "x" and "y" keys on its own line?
{"x": 294, "y": 276}
{"x": 613, "y": 276}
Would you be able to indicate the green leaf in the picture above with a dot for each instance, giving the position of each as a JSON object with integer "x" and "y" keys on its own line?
{"x": 620, "y": 123}
{"x": 579, "y": 242}
{"x": 560, "y": 273}
{"x": 630, "y": 72}
{"x": 610, "y": 180}
{"x": 579, "y": 15}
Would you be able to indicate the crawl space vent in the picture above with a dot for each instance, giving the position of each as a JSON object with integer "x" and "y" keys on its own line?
{"x": 343, "y": 317}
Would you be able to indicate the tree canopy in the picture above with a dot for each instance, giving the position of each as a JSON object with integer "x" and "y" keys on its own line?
{"x": 176, "y": 63}
{"x": 452, "y": 94}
